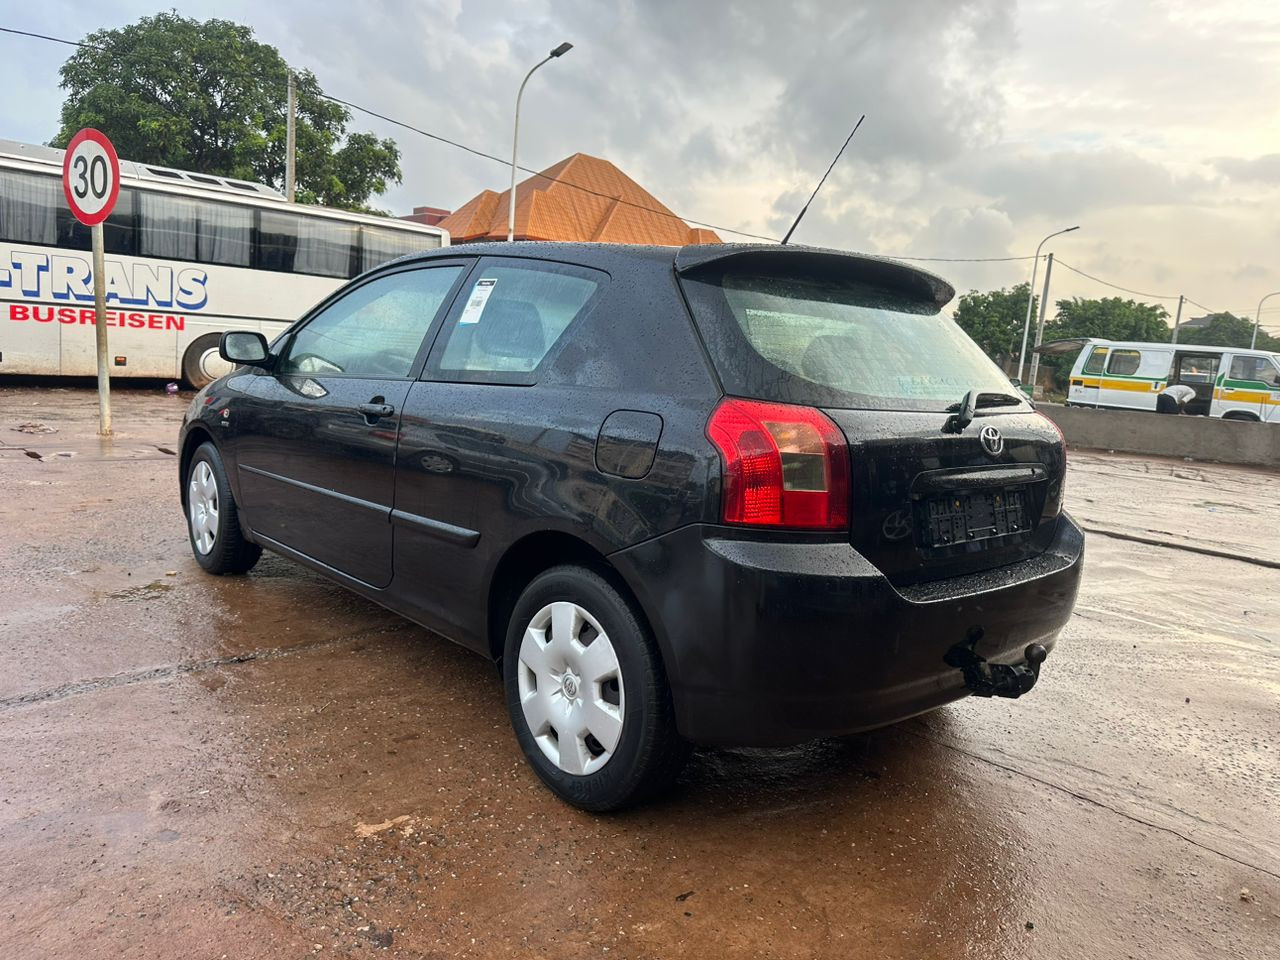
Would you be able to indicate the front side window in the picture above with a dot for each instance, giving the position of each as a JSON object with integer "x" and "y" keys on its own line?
{"x": 1256, "y": 369}
{"x": 511, "y": 318}
{"x": 373, "y": 331}
{"x": 1124, "y": 363}
{"x": 1094, "y": 363}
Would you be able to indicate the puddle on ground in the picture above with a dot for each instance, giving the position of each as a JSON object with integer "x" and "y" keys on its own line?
{"x": 146, "y": 591}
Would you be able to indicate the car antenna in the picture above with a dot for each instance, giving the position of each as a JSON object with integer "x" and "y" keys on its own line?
{"x": 805, "y": 209}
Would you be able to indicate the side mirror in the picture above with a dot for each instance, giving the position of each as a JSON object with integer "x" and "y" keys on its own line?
{"x": 245, "y": 347}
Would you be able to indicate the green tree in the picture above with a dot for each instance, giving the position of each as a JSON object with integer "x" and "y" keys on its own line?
{"x": 207, "y": 97}
{"x": 995, "y": 319}
{"x": 1227, "y": 330}
{"x": 1110, "y": 318}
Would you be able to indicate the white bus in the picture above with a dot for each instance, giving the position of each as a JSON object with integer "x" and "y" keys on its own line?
{"x": 1233, "y": 383}
{"x": 188, "y": 256}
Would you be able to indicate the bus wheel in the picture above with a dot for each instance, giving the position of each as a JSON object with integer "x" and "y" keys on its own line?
{"x": 201, "y": 364}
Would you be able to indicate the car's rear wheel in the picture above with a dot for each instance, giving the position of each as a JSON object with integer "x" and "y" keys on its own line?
{"x": 213, "y": 520}
{"x": 587, "y": 692}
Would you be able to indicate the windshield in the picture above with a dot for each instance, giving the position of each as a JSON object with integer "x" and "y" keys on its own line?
{"x": 836, "y": 342}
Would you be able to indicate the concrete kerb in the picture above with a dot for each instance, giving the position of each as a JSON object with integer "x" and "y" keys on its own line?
{"x": 1197, "y": 438}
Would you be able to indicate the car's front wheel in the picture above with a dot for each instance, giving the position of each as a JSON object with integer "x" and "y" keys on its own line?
{"x": 587, "y": 692}
{"x": 213, "y": 520}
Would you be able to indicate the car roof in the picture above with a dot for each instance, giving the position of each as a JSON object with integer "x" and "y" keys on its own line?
{"x": 695, "y": 258}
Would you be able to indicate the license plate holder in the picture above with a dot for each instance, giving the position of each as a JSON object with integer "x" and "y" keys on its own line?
{"x": 975, "y": 515}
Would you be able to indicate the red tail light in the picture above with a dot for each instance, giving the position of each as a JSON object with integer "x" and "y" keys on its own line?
{"x": 784, "y": 466}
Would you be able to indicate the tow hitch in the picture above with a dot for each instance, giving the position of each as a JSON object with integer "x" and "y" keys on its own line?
{"x": 995, "y": 679}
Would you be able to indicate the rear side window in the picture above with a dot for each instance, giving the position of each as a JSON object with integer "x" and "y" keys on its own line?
{"x": 1096, "y": 358}
{"x": 509, "y": 318}
{"x": 1125, "y": 363}
{"x": 830, "y": 340}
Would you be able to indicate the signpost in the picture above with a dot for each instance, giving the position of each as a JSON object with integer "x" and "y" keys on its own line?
{"x": 91, "y": 183}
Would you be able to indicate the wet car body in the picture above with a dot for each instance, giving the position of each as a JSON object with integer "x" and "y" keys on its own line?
{"x": 446, "y": 507}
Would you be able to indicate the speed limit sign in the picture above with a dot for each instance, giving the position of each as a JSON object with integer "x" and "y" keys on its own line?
{"x": 91, "y": 182}
{"x": 91, "y": 176}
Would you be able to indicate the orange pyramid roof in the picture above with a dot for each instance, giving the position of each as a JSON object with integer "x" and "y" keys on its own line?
{"x": 581, "y": 198}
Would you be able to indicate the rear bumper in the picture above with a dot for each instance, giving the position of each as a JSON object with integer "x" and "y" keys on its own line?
{"x": 768, "y": 643}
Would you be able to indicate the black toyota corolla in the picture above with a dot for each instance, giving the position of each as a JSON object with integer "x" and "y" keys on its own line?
{"x": 723, "y": 494}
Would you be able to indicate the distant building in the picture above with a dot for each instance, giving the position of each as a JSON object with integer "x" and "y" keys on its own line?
{"x": 431, "y": 216}
{"x": 581, "y": 198}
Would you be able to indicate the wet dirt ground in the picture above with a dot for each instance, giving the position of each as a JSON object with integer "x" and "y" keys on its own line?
{"x": 268, "y": 766}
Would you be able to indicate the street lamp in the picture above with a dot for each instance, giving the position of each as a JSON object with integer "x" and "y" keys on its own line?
{"x": 559, "y": 51}
{"x": 1257, "y": 322}
{"x": 1031, "y": 298}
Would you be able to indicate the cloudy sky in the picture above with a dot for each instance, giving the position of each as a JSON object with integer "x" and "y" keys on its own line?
{"x": 1155, "y": 126}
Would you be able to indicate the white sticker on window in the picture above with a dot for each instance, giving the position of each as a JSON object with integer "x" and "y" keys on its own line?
{"x": 475, "y": 305}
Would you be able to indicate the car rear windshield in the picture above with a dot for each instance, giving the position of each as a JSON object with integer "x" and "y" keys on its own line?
{"x": 832, "y": 341}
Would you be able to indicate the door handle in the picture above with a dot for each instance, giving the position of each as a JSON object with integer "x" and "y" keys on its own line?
{"x": 375, "y": 411}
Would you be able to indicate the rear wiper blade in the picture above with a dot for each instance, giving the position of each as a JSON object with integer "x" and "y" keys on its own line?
{"x": 962, "y": 412}
{"x": 987, "y": 400}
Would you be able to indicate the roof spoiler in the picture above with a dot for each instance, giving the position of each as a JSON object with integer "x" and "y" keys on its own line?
{"x": 1054, "y": 348}
{"x": 697, "y": 258}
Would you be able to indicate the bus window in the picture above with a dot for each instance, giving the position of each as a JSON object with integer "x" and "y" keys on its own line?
{"x": 277, "y": 241}
{"x": 119, "y": 235}
{"x": 29, "y": 208}
{"x": 1094, "y": 364}
{"x": 1124, "y": 363}
{"x": 226, "y": 234}
{"x": 168, "y": 227}
{"x": 326, "y": 248}
{"x": 378, "y": 245}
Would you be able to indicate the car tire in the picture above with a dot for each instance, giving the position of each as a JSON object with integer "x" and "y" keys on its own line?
{"x": 213, "y": 519}
{"x": 193, "y": 360}
{"x": 596, "y": 723}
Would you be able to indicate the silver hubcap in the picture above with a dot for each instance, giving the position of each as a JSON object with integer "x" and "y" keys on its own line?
{"x": 202, "y": 507}
{"x": 570, "y": 687}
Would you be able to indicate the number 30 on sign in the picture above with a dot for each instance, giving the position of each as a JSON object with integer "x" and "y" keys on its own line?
{"x": 91, "y": 176}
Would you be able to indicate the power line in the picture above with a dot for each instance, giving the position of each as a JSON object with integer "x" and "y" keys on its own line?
{"x": 1116, "y": 286}
{"x": 351, "y": 105}
{"x": 425, "y": 133}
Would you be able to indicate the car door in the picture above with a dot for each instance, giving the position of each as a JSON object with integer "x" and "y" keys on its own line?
{"x": 479, "y": 444}
{"x": 315, "y": 437}
{"x": 1246, "y": 384}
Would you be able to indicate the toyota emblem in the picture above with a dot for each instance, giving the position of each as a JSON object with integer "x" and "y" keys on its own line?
{"x": 991, "y": 440}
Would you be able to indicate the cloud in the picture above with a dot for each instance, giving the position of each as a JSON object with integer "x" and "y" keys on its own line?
{"x": 1264, "y": 169}
{"x": 989, "y": 123}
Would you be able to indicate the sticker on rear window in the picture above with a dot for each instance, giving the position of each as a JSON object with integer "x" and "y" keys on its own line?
{"x": 475, "y": 305}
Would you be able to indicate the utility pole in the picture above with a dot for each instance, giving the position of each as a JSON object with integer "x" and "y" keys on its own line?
{"x": 1031, "y": 299}
{"x": 291, "y": 138}
{"x": 1044, "y": 305}
{"x": 1177, "y": 321}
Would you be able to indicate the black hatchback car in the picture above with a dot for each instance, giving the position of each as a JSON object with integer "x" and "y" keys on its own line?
{"x": 723, "y": 494}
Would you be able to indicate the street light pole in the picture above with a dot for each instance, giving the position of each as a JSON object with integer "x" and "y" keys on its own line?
{"x": 1253, "y": 344}
{"x": 1031, "y": 298}
{"x": 559, "y": 51}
